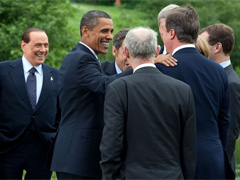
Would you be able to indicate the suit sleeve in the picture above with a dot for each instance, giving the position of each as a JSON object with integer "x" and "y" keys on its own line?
{"x": 112, "y": 144}
{"x": 224, "y": 116}
{"x": 188, "y": 152}
{"x": 91, "y": 77}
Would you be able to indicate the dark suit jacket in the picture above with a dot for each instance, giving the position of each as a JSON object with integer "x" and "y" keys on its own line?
{"x": 234, "y": 84}
{"x": 209, "y": 84}
{"x": 150, "y": 128}
{"x": 16, "y": 114}
{"x": 108, "y": 68}
{"x": 81, "y": 94}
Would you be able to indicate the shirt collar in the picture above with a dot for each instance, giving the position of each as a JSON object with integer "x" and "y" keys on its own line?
{"x": 89, "y": 49}
{"x": 144, "y": 65}
{"x": 27, "y": 66}
{"x": 183, "y": 46}
{"x": 225, "y": 63}
{"x": 118, "y": 70}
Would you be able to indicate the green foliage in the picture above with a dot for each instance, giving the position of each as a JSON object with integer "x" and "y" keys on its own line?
{"x": 210, "y": 12}
{"x": 51, "y": 16}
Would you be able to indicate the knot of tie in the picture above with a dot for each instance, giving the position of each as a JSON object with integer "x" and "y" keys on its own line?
{"x": 32, "y": 70}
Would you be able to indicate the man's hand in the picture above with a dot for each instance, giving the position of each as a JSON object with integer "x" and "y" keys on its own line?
{"x": 166, "y": 60}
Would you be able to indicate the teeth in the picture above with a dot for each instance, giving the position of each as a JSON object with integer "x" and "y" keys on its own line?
{"x": 38, "y": 55}
{"x": 106, "y": 44}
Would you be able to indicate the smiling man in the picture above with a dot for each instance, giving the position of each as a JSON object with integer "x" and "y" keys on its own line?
{"x": 82, "y": 84}
{"x": 28, "y": 108}
{"x": 120, "y": 63}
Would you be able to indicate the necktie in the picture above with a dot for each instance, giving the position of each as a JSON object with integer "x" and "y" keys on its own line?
{"x": 31, "y": 87}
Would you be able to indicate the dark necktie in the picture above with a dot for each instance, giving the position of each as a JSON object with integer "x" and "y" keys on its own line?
{"x": 31, "y": 87}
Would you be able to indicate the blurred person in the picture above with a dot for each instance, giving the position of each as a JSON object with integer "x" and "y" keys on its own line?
{"x": 120, "y": 63}
{"x": 202, "y": 46}
{"x": 82, "y": 85}
{"x": 220, "y": 38}
{"x": 150, "y": 125}
{"x": 208, "y": 80}
{"x": 161, "y": 16}
{"x": 28, "y": 109}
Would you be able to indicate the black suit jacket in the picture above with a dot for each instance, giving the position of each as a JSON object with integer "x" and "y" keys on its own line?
{"x": 108, "y": 68}
{"x": 150, "y": 128}
{"x": 234, "y": 84}
{"x": 81, "y": 94}
{"x": 16, "y": 114}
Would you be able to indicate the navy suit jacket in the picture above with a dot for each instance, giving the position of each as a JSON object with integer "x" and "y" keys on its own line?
{"x": 16, "y": 114}
{"x": 108, "y": 68}
{"x": 81, "y": 94}
{"x": 210, "y": 88}
{"x": 234, "y": 84}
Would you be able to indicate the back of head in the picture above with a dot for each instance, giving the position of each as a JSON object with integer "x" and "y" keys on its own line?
{"x": 119, "y": 37}
{"x": 163, "y": 13}
{"x": 221, "y": 33}
{"x": 202, "y": 46}
{"x": 185, "y": 22}
{"x": 141, "y": 43}
{"x": 90, "y": 19}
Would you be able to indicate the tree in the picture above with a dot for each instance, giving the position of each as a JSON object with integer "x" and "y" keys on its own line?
{"x": 51, "y": 16}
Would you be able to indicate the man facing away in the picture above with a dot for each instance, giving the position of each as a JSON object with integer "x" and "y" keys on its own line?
{"x": 208, "y": 80}
{"x": 220, "y": 38}
{"x": 82, "y": 85}
{"x": 150, "y": 124}
{"x": 120, "y": 64}
{"x": 28, "y": 109}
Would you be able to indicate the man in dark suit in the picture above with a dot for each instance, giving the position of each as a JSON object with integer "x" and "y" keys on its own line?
{"x": 220, "y": 38}
{"x": 28, "y": 123}
{"x": 82, "y": 86}
{"x": 210, "y": 88}
{"x": 150, "y": 125}
{"x": 120, "y": 64}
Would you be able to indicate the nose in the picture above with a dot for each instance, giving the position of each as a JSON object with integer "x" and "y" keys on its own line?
{"x": 109, "y": 35}
{"x": 42, "y": 48}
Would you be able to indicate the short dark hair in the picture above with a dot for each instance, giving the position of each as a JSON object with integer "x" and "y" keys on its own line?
{"x": 90, "y": 19}
{"x": 26, "y": 37}
{"x": 185, "y": 22}
{"x": 221, "y": 33}
{"x": 119, "y": 37}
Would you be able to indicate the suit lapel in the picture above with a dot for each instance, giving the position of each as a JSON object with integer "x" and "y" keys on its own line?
{"x": 17, "y": 76}
{"x": 47, "y": 85}
{"x": 111, "y": 70}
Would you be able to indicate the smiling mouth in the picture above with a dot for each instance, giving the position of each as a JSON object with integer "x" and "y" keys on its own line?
{"x": 106, "y": 45}
{"x": 40, "y": 55}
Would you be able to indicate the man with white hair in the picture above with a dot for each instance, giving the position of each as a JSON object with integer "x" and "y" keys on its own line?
{"x": 150, "y": 125}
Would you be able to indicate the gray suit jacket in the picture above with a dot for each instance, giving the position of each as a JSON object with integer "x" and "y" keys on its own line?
{"x": 150, "y": 128}
{"x": 234, "y": 84}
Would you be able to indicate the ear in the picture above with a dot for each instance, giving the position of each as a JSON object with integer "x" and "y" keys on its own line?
{"x": 172, "y": 33}
{"x": 126, "y": 53}
{"x": 23, "y": 44}
{"x": 158, "y": 50}
{"x": 218, "y": 47}
{"x": 114, "y": 50}
{"x": 84, "y": 31}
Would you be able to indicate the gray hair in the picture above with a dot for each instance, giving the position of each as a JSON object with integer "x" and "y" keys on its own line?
{"x": 141, "y": 43}
{"x": 163, "y": 13}
{"x": 90, "y": 19}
